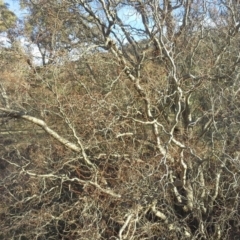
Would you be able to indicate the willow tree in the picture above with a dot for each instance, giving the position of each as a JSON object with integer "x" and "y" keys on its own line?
{"x": 136, "y": 136}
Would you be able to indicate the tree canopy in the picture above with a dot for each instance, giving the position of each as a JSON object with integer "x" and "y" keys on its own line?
{"x": 7, "y": 17}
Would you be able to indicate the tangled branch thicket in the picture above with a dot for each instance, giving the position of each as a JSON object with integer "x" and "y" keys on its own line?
{"x": 136, "y": 139}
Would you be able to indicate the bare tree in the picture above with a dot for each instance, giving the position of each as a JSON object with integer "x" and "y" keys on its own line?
{"x": 138, "y": 135}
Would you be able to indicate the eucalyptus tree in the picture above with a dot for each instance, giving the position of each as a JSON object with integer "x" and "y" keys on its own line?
{"x": 7, "y": 18}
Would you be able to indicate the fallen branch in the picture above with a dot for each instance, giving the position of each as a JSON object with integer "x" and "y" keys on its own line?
{"x": 64, "y": 178}
{"x": 43, "y": 125}
{"x": 124, "y": 226}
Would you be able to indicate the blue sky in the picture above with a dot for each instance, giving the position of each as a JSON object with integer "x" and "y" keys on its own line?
{"x": 14, "y": 7}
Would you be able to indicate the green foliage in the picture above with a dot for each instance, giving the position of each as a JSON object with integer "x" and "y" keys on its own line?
{"x": 7, "y": 18}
